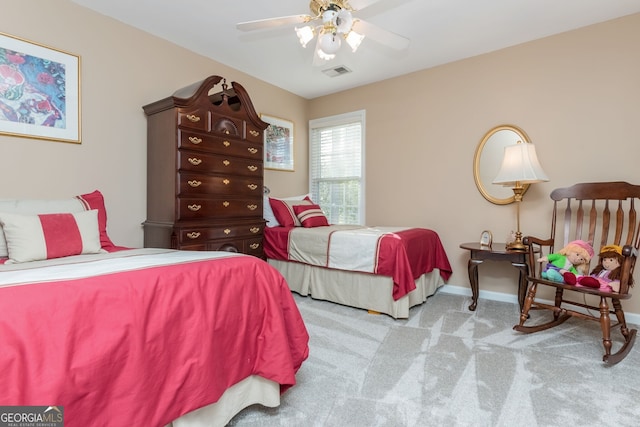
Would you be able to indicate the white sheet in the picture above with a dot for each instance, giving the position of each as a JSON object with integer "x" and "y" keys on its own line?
{"x": 343, "y": 247}
{"x": 358, "y": 250}
{"x": 79, "y": 266}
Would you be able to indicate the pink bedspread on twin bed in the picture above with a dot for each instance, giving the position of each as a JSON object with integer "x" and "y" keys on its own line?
{"x": 403, "y": 254}
{"x": 144, "y": 343}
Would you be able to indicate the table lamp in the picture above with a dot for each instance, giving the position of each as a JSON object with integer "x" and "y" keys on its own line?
{"x": 519, "y": 166}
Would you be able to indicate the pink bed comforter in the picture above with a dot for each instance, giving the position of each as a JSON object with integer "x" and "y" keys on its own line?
{"x": 143, "y": 347}
{"x": 403, "y": 255}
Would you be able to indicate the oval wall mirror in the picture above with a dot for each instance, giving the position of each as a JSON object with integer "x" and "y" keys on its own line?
{"x": 488, "y": 159}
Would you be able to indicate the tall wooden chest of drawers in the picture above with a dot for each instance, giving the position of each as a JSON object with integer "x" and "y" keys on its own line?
{"x": 205, "y": 170}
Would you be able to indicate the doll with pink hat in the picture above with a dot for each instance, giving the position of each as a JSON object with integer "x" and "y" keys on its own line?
{"x": 573, "y": 258}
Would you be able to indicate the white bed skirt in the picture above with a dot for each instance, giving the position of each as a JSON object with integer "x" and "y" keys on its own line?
{"x": 252, "y": 390}
{"x": 360, "y": 290}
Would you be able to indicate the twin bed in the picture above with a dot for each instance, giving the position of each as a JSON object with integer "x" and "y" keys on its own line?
{"x": 153, "y": 337}
{"x": 381, "y": 269}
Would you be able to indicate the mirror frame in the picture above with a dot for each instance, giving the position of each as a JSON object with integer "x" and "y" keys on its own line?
{"x": 476, "y": 163}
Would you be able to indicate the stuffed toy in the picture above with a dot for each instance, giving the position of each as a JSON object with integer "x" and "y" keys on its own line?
{"x": 573, "y": 258}
{"x": 606, "y": 275}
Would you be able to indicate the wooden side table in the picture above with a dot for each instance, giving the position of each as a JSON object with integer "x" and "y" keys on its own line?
{"x": 496, "y": 252}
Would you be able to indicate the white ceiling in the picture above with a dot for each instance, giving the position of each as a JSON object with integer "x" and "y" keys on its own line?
{"x": 440, "y": 31}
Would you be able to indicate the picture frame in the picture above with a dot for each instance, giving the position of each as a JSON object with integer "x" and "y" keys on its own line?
{"x": 278, "y": 144}
{"x": 486, "y": 238}
{"x": 39, "y": 91}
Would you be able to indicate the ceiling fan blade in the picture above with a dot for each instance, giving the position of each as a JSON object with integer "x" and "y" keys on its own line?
{"x": 273, "y": 22}
{"x": 361, "y": 4}
{"x": 380, "y": 35}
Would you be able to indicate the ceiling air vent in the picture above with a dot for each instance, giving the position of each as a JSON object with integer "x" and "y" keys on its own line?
{"x": 336, "y": 71}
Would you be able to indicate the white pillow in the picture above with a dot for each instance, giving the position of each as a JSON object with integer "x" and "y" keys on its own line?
{"x": 46, "y": 236}
{"x": 268, "y": 214}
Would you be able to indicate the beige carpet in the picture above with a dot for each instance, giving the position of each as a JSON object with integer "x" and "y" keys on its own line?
{"x": 447, "y": 366}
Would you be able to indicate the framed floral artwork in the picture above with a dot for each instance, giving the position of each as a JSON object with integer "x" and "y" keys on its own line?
{"x": 39, "y": 91}
{"x": 278, "y": 143}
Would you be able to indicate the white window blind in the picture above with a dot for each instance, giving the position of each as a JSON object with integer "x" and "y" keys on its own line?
{"x": 336, "y": 166}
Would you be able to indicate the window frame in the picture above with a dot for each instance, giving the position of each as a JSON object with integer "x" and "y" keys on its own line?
{"x": 358, "y": 116}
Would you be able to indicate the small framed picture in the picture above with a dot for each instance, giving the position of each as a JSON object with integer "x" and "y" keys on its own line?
{"x": 278, "y": 143}
{"x": 486, "y": 238}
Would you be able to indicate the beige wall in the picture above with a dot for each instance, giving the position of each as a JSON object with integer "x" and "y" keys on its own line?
{"x": 576, "y": 95}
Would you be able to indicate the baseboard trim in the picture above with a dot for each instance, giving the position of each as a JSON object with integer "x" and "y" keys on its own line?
{"x": 633, "y": 318}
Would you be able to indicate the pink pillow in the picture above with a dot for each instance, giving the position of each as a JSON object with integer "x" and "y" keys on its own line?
{"x": 284, "y": 213}
{"x": 47, "y": 236}
{"x": 95, "y": 200}
{"x": 310, "y": 215}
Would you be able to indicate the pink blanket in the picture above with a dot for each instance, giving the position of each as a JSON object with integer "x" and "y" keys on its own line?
{"x": 402, "y": 255}
{"x": 145, "y": 346}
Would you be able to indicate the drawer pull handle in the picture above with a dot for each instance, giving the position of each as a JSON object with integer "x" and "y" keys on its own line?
{"x": 254, "y": 230}
{"x": 252, "y": 207}
{"x": 226, "y": 162}
{"x": 195, "y": 183}
{"x": 227, "y": 231}
{"x": 194, "y": 208}
{"x": 226, "y": 143}
{"x": 254, "y": 132}
{"x": 195, "y": 140}
{"x": 252, "y": 186}
{"x": 252, "y": 168}
{"x": 193, "y": 118}
{"x": 194, "y": 161}
{"x": 252, "y": 150}
{"x": 254, "y": 245}
{"x": 193, "y": 235}
{"x": 226, "y": 181}
{"x": 225, "y": 204}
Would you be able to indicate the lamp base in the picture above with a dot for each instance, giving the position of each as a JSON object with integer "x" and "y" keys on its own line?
{"x": 517, "y": 246}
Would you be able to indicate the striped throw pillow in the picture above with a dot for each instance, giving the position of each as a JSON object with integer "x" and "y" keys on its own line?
{"x": 310, "y": 216}
{"x": 46, "y": 236}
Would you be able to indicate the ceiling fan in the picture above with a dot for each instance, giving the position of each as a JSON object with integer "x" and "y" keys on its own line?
{"x": 332, "y": 21}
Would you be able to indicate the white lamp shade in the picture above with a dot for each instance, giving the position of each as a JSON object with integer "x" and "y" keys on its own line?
{"x": 324, "y": 56}
{"x": 520, "y": 164}
{"x": 305, "y": 35}
{"x": 330, "y": 43}
{"x": 329, "y": 17}
{"x": 344, "y": 21}
{"x": 353, "y": 40}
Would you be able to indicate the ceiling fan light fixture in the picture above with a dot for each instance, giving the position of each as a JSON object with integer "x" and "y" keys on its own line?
{"x": 354, "y": 39}
{"x": 329, "y": 23}
{"x": 305, "y": 34}
{"x": 329, "y": 43}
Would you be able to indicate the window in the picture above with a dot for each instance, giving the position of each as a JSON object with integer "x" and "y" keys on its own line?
{"x": 336, "y": 166}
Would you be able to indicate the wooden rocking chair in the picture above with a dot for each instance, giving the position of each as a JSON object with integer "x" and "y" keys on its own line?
{"x": 602, "y": 213}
